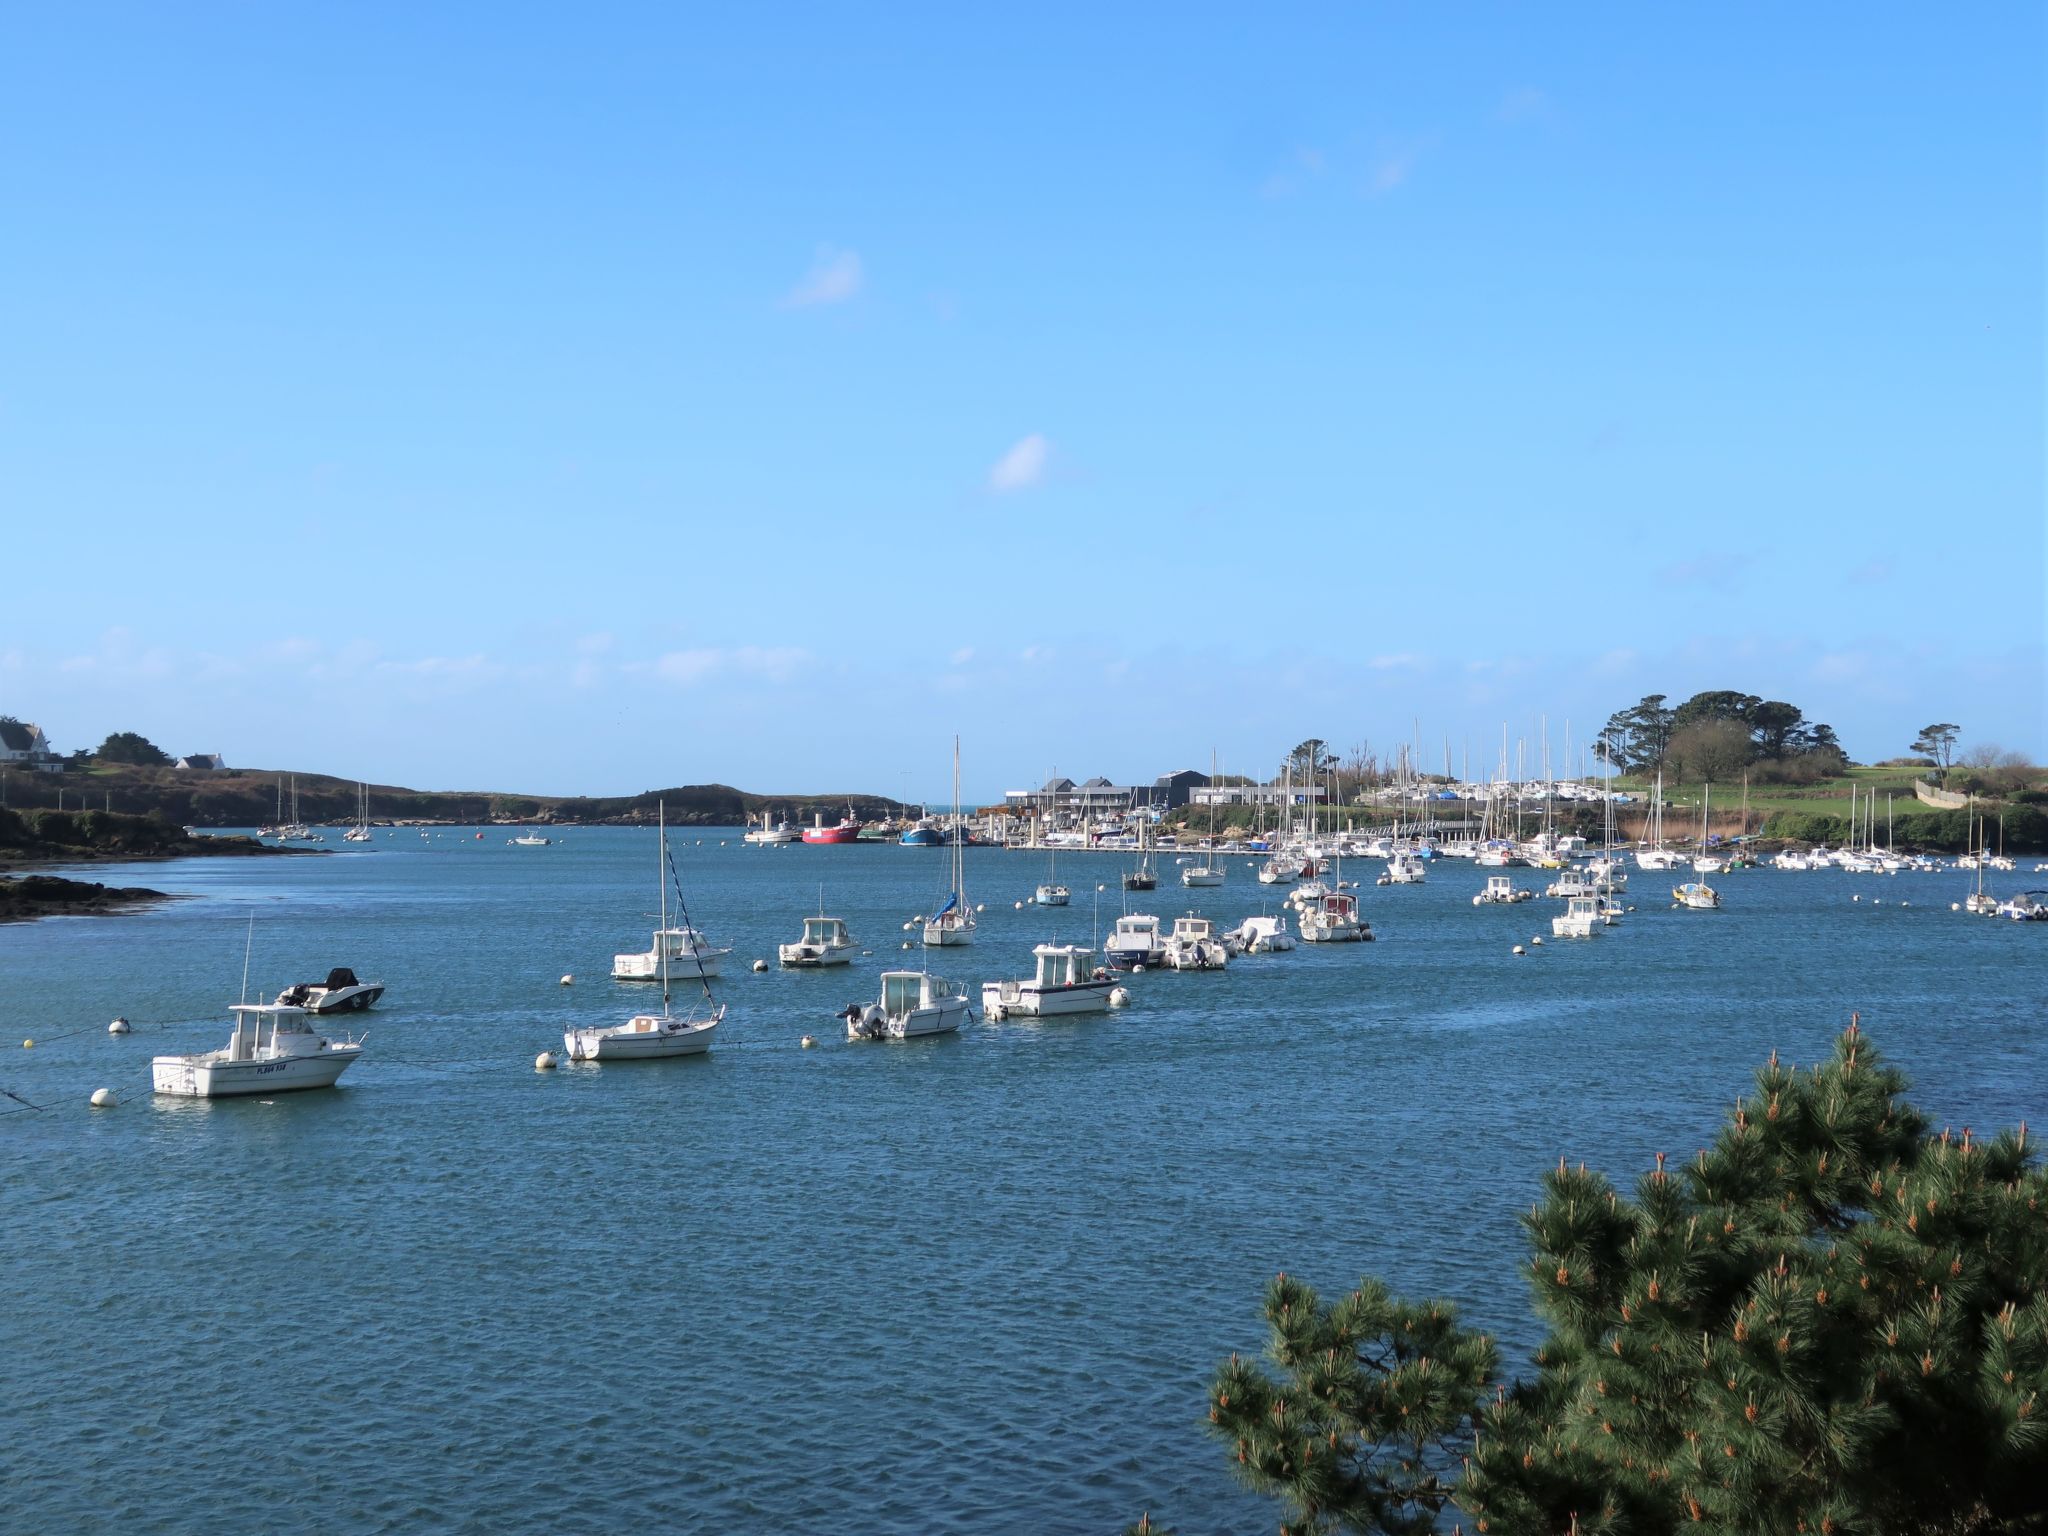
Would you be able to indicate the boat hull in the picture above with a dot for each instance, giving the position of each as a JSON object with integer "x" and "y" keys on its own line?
{"x": 1026, "y": 1000}
{"x": 347, "y": 999}
{"x": 195, "y": 1078}
{"x": 627, "y": 1043}
{"x": 947, "y": 935}
{"x": 807, "y": 957}
{"x": 680, "y": 967}
{"x": 830, "y": 835}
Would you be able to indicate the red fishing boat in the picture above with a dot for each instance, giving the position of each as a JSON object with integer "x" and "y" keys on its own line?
{"x": 848, "y": 830}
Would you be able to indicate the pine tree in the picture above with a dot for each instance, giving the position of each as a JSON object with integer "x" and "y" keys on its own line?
{"x": 1832, "y": 1322}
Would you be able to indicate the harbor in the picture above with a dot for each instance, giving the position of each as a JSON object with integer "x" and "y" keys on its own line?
{"x": 1086, "y": 1194}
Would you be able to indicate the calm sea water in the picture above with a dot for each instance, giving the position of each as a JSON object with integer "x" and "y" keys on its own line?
{"x": 972, "y": 1283}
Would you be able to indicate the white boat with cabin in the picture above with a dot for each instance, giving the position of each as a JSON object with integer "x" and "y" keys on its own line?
{"x": 913, "y": 1004}
{"x": 1067, "y": 981}
{"x": 1334, "y": 919}
{"x": 272, "y": 1050}
{"x": 1500, "y": 891}
{"x": 1695, "y": 896}
{"x": 1135, "y": 943}
{"x": 825, "y": 942}
{"x": 680, "y": 952}
{"x": 1580, "y": 919}
{"x": 1193, "y": 945}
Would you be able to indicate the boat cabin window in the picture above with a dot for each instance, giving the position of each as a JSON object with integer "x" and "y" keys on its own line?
{"x": 901, "y": 993}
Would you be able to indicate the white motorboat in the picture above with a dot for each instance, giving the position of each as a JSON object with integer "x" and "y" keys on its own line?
{"x": 1135, "y": 943}
{"x": 1708, "y": 864}
{"x": 529, "y": 840}
{"x": 1193, "y": 945}
{"x": 651, "y": 1036}
{"x": 1068, "y": 981}
{"x": 953, "y": 924}
{"x": 1405, "y": 869}
{"x": 2026, "y": 907}
{"x": 1334, "y": 919}
{"x": 768, "y": 835}
{"x": 1500, "y": 891}
{"x": 1573, "y": 882}
{"x": 1608, "y": 873}
{"x": 1581, "y": 919}
{"x": 680, "y": 952}
{"x": 1261, "y": 935}
{"x": 913, "y": 1004}
{"x": 339, "y": 993}
{"x": 1788, "y": 859}
{"x": 825, "y": 942}
{"x": 1695, "y": 896}
{"x": 273, "y": 1050}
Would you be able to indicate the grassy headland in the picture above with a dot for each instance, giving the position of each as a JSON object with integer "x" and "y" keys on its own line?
{"x": 249, "y": 797}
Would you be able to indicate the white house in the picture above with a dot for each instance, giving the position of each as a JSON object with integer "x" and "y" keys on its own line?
{"x": 210, "y": 760}
{"x": 25, "y": 746}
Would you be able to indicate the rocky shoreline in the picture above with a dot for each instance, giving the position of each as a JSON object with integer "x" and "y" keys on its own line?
{"x": 23, "y": 898}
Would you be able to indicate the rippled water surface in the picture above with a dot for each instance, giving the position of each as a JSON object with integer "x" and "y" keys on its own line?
{"x": 971, "y": 1283}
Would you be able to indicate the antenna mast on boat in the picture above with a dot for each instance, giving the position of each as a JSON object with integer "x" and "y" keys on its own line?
{"x": 248, "y": 944}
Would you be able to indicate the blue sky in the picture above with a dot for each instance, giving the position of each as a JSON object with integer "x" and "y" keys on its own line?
{"x": 585, "y": 399}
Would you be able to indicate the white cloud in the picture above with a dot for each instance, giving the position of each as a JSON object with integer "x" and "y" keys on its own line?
{"x": 1022, "y": 467}
{"x": 963, "y": 656}
{"x": 1391, "y": 171}
{"x": 1302, "y": 167}
{"x": 776, "y": 664}
{"x": 835, "y": 277}
{"x": 1524, "y": 105}
{"x": 1396, "y": 661}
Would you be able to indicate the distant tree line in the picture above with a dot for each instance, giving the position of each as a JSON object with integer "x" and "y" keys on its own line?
{"x": 1721, "y": 734}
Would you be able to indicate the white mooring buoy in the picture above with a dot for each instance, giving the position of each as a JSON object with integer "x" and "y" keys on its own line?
{"x": 103, "y": 1098}
{"x": 1519, "y": 949}
{"x": 118, "y": 1027}
{"x": 760, "y": 965}
{"x": 809, "y": 1041}
{"x": 544, "y": 1062}
{"x": 568, "y": 981}
{"x": 1119, "y": 997}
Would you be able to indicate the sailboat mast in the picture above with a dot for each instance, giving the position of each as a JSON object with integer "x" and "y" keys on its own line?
{"x": 661, "y": 879}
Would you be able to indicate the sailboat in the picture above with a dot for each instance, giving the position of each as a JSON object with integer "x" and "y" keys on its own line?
{"x": 953, "y": 923}
{"x": 1209, "y": 869}
{"x": 1706, "y": 863}
{"x": 1051, "y": 893}
{"x": 360, "y": 832}
{"x": 646, "y": 1036}
{"x": 1142, "y": 878}
{"x": 1981, "y": 902}
{"x": 1655, "y": 855}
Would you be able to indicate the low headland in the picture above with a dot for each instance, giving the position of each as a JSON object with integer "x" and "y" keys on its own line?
{"x": 24, "y": 897}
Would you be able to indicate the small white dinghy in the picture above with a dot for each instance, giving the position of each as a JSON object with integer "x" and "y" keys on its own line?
{"x": 273, "y": 1050}
{"x": 1261, "y": 935}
